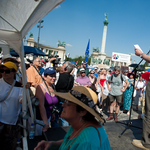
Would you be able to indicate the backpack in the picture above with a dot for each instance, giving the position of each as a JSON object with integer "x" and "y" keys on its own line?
{"x": 120, "y": 77}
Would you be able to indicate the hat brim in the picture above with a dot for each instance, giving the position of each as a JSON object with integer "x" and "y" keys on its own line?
{"x": 3, "y": 65}
{"x": 83, "y": 71}
{"x": 71, "y": 98}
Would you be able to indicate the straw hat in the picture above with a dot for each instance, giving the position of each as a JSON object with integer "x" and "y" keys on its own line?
{"x": 84, "y": 97}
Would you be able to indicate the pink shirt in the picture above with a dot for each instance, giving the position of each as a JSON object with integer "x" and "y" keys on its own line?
{"x": 83, "y": 80}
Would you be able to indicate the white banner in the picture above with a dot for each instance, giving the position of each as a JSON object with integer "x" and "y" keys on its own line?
{"x": 121, "y": 57}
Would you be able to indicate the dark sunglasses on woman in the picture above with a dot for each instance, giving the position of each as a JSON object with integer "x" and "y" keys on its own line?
{"x": 7, "y": 71}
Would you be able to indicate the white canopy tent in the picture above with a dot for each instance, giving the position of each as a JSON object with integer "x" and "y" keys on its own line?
{"x": 17, "y": 17}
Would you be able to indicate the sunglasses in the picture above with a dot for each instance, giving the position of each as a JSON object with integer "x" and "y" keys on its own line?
{"x": 7, "y": 71}
{"x": 82, "y": 72}
{"x": 91, "y": 73}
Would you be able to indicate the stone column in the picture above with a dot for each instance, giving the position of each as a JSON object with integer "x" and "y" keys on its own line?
{"x": 102, "y": 53}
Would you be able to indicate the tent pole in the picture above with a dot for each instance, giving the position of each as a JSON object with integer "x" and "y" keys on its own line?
{"x": 25, "y": 91}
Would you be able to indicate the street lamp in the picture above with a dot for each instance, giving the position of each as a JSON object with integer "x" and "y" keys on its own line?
{"x": 39, "y": 26}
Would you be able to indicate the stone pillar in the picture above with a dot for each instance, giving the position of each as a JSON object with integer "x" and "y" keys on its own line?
{"x": 102, "y": 53}
{"x": 30, "y": 42}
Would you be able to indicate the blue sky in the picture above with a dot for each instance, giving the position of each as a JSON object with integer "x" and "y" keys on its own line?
{"x": 74, "y": 21}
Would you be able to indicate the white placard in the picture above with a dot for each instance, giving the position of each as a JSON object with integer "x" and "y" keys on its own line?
{"x": 121, "y": 57}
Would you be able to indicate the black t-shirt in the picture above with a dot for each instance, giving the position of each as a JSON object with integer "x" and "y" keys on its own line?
{"x": 65, "y": 82}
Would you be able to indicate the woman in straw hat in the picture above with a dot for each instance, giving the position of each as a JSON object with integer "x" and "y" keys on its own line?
{"x": 81, "y": 111}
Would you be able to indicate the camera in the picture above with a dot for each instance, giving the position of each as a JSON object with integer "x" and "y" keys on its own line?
{"x": 57, "y": 60}
{"x": 55, "y": 109}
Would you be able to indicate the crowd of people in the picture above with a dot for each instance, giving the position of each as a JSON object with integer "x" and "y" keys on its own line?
{"x": 68, "y": 95}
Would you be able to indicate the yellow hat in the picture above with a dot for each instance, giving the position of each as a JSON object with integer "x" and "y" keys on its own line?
{"x": 9, "y": 65}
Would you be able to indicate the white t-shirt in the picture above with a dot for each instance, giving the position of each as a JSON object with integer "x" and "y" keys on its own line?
{"x": 105, "y": 91}
{"x": 139, "y": 84}
{"x": 10, "y": 107}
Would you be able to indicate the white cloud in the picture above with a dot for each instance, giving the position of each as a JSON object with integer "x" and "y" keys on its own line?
{"x": 58, "y": 7}
{"x": 69, "y": 45}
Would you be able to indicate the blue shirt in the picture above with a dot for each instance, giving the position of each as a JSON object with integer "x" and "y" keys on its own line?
{"x": 96, "y": 75}
{"x": 88, "y": 139}
{"x": 41, "y": 70}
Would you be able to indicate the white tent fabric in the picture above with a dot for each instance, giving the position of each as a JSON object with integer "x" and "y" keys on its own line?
{"x": 17, "y": 17}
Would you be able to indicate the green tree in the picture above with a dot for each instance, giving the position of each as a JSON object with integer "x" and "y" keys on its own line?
{"x": 79, "y": 59}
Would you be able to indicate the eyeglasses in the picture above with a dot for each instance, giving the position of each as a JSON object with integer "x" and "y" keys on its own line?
{"x": 39, "y": 61}
{"x": 53, "y": 75}
{"x": 7, "y": 71}
{"x": 82, "y": 72}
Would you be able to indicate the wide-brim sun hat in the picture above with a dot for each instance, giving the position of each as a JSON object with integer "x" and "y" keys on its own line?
{"x": 84, "y": 97}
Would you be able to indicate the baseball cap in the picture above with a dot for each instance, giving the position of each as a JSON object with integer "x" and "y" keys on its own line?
{"x": 49, "y": 71}
{"x": 9, "y": 65}
{"x": 43, "y": 61}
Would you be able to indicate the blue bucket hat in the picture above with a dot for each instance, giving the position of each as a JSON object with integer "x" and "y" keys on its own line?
{"x": 49, "y": 71}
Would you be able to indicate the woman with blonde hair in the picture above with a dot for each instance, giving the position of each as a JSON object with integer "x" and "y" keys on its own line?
{"x": 101, "y": 80}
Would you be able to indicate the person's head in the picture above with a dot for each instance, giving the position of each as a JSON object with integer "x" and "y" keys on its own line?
{"x": 140, "y": 78}
{"x": 99, "y": 72}
{"x": 11, "y": 60}
{"x": 125, "y": 72}
{"x": 78, "y": 66}
{"x": 80, "y": 105}
{"x": 37, "y": 62}
{"x": 82, "y": 72}
{"x": 50, "y": 75}
{"x": 117, "y": 70}
{"x": 84, "y": 64}
{"x": 96, "y": 68}
{"x": 131, "y": 75}
{"x": 92, "y": 72}
{"x": 104, "y": 71}
{"x": 59, "y": 69}
{"x": 8, "y": 70}
{"x": 67, "y": 67}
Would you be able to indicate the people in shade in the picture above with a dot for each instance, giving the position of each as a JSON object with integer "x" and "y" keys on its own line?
{"x": 47, "y": 100}
{"x": 80, "y": 109}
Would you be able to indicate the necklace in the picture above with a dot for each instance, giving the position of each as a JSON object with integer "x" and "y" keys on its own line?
{"x": 78, "y": 131}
